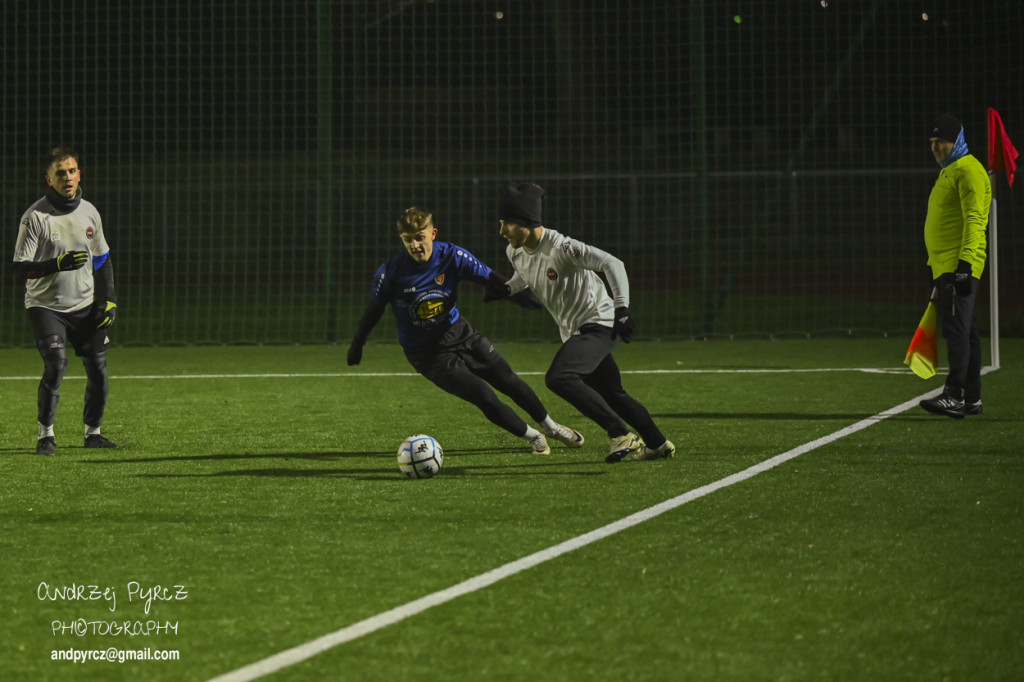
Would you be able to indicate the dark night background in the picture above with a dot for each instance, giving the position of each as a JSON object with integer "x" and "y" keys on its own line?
{"x": 766, "y": 176}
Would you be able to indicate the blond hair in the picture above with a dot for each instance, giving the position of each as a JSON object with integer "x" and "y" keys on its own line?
{"x": 415, "y": 219}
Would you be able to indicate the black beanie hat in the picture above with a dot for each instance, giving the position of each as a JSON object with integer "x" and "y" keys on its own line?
{"x": 521, "y": 205}
{"x": 946, "y": 127}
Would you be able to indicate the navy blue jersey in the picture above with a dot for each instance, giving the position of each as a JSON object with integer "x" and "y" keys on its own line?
{"x": 423, "y": 295}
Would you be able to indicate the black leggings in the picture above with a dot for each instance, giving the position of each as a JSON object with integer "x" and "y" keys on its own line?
{"x": 52, "y": 331}
{"x": 466, "y": 364}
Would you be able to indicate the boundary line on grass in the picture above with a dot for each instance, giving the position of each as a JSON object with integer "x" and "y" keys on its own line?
{"x": 328, "y": 375}
{"x": 307, "y": 650}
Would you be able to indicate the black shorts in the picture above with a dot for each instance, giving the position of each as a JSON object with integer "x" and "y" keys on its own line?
{"x": 461, "y": 346}
{"x": 77, "y": 328}
{"x": 586, "y": 350}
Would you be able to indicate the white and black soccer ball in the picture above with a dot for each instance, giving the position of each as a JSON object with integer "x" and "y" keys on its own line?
{"x": 420, "y": 456}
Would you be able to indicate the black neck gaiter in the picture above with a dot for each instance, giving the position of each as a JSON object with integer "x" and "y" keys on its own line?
{"x": 61, "y": 203}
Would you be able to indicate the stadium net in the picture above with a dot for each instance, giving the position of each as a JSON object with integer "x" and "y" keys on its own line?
{"x": 761, "y": 168}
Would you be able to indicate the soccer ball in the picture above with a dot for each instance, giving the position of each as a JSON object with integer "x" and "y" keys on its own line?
{"x": 420, "y": 456}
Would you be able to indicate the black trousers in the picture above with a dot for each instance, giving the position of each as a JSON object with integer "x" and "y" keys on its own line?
{"x": 960, "y": 330}
{"x": 585, "y": 375}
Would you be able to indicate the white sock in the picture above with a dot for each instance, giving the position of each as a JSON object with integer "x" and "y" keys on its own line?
{"x": 91, "y": 430}
{"x": 45, "y": 431}
{"x": 531, "y": 433}
{"x": 548, "y": 424}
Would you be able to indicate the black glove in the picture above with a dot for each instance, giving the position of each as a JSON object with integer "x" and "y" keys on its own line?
{"x": 355, "y": 354}
{"x": 496, "y": 288}
{"x": 104, "y": 314}
{"x": 72, "y": 260}
{"x": 962, "y": 278}
{"x": 624, "y": 326}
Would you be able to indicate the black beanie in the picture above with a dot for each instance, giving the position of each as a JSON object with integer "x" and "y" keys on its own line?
{"x": 521, "y": 205}
{"x": 946, "y": 127}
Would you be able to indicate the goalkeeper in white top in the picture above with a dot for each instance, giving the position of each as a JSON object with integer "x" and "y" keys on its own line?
{"x": 564, "y": 274}
{"x": 62, "y": 256}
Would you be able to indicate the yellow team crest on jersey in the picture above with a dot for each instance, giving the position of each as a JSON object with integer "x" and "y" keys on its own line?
{"x": 430, "y": 309}
{"x": 439, "y": 280}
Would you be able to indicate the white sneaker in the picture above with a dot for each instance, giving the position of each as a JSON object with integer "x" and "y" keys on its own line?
{"x": 539, "y": 445}
{"x": 622, "y": 447}
{"x": 571, "y": 437}
{"x": 666, "y": 451}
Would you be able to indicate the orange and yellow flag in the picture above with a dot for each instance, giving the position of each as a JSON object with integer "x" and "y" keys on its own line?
{"x": 923, "y": 355}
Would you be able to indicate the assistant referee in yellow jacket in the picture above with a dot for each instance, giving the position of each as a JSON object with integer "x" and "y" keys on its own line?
{"x": 954, "y": 234}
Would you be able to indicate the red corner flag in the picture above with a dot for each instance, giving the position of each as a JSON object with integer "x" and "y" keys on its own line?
{"x": 923, "y": 355}
{"x": 1001, "y": 154}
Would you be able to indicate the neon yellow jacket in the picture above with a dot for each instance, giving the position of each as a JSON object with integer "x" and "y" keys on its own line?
{"x": 958, "y": 208}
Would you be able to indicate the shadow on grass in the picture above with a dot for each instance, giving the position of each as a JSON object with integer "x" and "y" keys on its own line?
{"x": 239, "y": 456}
{"x": 375, "y": 474}
{"x": 522, "y": 464}
{"x": 473, "y": 452}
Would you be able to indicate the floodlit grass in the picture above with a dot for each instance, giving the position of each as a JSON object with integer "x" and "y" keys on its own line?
{"x": 275, "y": 501}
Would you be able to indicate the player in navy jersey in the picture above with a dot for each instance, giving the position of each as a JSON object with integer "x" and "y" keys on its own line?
{"x": 63, "y": 256}
{"x": 421, "y": 284}
{"x": 566, "y": 275}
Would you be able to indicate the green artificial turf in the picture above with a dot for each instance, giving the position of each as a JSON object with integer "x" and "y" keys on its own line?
{"x": 263, "y": 482}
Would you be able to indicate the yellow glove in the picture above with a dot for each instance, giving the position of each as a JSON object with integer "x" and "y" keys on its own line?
{"x": 105, "y": 314}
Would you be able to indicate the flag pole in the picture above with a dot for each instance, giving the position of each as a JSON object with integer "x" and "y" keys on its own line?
{"x": 1001, "y": 156}
{"x": 993, "y": 273}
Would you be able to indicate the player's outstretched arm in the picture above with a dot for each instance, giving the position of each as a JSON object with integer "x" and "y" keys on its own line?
{"x": 369, "y": 319}
{"x": 526, "y": 299}
{"x": 498, "y": 288}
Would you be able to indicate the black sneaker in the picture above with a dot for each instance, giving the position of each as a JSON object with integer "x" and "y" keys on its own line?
{"x": 46, "y": 446}
{"x": 973, "y": 407}
{"x": 949, "y": 404}
{"x": 98, "y": 441}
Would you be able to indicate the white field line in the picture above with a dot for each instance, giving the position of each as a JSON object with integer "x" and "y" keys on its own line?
{"x": 356, "y": 375}
{"x": 302, "y": 652}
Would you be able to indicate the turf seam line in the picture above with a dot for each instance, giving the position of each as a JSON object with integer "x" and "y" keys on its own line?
{"x": 307, "y": 650}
